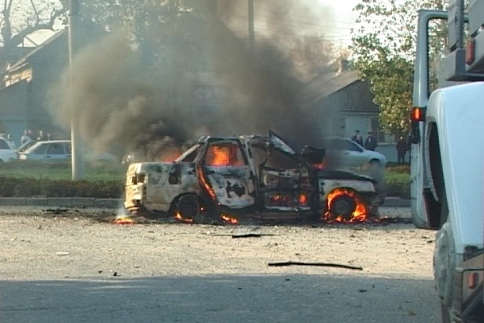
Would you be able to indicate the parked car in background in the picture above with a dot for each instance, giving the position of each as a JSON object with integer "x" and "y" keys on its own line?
{"x": 6, "y": 152}
{"x": 59, "y": 151}
{"x": 343, "y": 153}
{"x": 25, "y": 146}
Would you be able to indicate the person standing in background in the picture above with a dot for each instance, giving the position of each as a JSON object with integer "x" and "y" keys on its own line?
{"x": 25, "y": 138}
{"x": 401, "y": 150}
{"x": 370, "y": 142}
{"x": 42, "y": 136}
{"x": 358, "y": 138}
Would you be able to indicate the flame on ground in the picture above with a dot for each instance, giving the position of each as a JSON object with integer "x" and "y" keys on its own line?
{"x": 123, "y": 220}
{"x": 180, "y": 218}
{"x": 229, "y": 219}
{"x": 360, "y": 213}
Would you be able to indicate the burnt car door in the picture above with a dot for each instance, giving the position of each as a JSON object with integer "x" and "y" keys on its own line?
{"x": 284, "y": 181}
{"x": 225, "y": 174}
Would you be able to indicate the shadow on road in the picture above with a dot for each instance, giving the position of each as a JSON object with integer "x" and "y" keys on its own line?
{"x": 264, "y": 298}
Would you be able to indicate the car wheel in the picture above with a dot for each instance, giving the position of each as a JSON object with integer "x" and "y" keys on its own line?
{"x": 187, "y": 207}
{"x": 344, "y": 206}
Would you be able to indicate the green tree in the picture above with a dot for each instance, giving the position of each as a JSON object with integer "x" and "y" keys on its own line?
{"x": 384, "y": 49}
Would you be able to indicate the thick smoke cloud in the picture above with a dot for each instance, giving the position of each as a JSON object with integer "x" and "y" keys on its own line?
{"x": 122, "y": 105}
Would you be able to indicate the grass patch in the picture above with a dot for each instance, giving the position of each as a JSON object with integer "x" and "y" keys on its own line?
{"x": 28, "y": 178}
{"x": 62, "y": 171}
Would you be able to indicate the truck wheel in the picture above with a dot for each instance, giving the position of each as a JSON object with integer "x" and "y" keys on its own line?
{"x": 444, "y": 262}
{"x": 344, "y": 206}
{"x": 445, "y": 314}
{"x": 187, "y": 207}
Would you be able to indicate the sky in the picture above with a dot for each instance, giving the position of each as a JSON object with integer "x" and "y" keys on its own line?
{"x": 343, "y": 21}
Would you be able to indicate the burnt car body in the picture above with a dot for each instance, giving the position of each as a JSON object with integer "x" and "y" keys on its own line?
{"x": 253, "y": 176}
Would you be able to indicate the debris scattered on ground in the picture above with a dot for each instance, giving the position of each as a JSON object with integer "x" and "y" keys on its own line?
{"x": 317, "y": 264}
{"x": 56, "y": 211}
{"x": 250, "y": 235}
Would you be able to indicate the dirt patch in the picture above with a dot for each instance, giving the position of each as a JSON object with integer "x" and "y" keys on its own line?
{"x": 83, "y": 242}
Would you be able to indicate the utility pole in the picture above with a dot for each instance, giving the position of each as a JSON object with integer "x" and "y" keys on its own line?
{"x": 77, "y": 144}
{"x": 251, "y": 24}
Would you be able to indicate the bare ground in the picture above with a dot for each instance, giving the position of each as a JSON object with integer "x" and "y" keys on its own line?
{"x": 40, "y": 245}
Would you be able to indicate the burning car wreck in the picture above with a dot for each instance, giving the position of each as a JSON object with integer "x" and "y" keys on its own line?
{"x": 248, "y": 177}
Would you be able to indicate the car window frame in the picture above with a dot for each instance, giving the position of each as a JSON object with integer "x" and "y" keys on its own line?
{"x": 5, "y": 143}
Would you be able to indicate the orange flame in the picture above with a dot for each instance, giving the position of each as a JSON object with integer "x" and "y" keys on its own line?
{"x": 303, "y": 199}
{"x": 205, "y": 184}
{"x": 124, "y": 220}
{"x": 320, "y": 166}
{"x": 180, "y": 218}
{"x": 359, "y": 215}
{"x": 224, "y": 155}
{"x": 218, "y": 156}
{"x": 229, "y": 219}
{"x": 170, "y": 155}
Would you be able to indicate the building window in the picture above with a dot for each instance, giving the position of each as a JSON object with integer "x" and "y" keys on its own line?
{"x": 375, "y": 128}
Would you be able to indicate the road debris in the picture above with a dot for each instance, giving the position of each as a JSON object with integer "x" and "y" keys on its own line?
{"x": 317, "y": 264}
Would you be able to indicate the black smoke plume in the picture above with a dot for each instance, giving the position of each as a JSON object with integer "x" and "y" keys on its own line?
{"x": 216, "y": 84}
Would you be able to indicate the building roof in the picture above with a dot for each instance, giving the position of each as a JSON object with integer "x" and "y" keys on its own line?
{"x": 327, "y": 84}
{"x": 24, "y": 60}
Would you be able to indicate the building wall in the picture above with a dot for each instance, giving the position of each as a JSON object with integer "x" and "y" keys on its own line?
{"x": 14, "y": 103}
{"x": 48, "y": 67}
{"x": 352, "y": 108}
{"x": 23, "y": 103}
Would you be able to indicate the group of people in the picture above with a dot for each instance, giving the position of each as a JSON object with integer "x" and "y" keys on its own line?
{"x": 29, "y": 136}
{"x": 371, "y": 143}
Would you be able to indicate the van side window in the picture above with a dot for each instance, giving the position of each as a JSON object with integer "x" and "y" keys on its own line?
{"x": 224, "y": 154}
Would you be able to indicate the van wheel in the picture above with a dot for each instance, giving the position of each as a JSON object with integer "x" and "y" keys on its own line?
{"x": 187, "y": 207}
{"x": 374, "y": 163}
{"x": 445, "y": 313}
{"x": 344, "y": 206}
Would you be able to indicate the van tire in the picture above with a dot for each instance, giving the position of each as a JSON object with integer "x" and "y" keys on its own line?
{"x": 187, "y": 207}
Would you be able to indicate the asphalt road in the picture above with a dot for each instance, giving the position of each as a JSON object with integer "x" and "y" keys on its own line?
{"x": 54, "y": 271}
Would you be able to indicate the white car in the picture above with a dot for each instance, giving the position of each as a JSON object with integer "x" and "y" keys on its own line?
{"x": 6, "y": 152}
{"x": 343, "y": 153}
{"x": 59, "y": 151}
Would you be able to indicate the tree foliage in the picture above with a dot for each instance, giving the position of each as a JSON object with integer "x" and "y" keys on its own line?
{"x": 175, "y": 30}
{"x": 20, "y": 18}
{"x": 161, "y": 31}
{"x": 384, "y": 48}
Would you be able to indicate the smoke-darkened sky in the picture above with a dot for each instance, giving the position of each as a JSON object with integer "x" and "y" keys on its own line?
{"x": 122, "y": 105}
